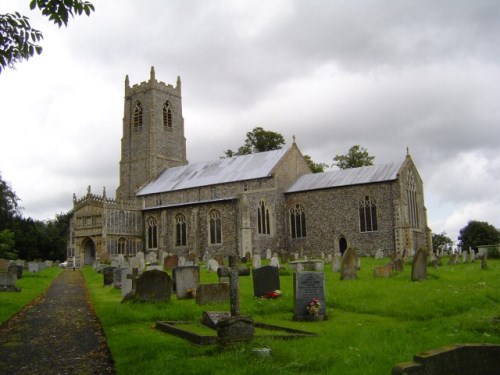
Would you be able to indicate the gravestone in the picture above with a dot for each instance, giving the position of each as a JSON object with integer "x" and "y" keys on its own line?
{"x": 170, "y": 261}
{"x": 265, "y": 279}
{"x": 17, "y": 269}
{"x": 135, "y": 263}
{"x": 397, "y": 264}
{"x": 142, "y": 262}
{"x": 269, "y": 254}
{"x": 212, "y": 293}
{"x": 187, "y": 280}
{"x": 33, "y": 267}
{"x": 329, "y": 258}
{"x": 472, "y": 256}
{"x": 153, "y": 286}
{"x": 151, "y": 257}
{"x": 130, "y": 288}
{"x": 115, "y": 263}
{"x": 336, "y": 263}
{"x": 275, "y": 262}
{"x": 419, "y": 266}
{"x": 256, "y": 261}
{"x": 117, "y": 278}
{"x": 126, "y": 281}
{"x": 4, "y": 265}
{"x": 379, "y": 254}
{"x": 49, "y": 263}
{"x": 309, "y": 296}
{"x": 107, "y": 274}
{"x": 181, "y": 261}
{"x": 484, "y": 261}
{"x": 382, "y": 271}
{"x": 212, "y": 265}
{"x": 349, "y": 266}
{"x": 8, "y": 282}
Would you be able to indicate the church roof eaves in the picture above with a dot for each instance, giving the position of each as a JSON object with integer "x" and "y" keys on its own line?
{"x": 346, "y": 177}
{"x": 183, "y": 204}
{"x": 237, "y": 168}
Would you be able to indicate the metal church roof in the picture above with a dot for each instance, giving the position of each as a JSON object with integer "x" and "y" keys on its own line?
{"x": 346, "y": 177}
{"x": 237, "y": 168}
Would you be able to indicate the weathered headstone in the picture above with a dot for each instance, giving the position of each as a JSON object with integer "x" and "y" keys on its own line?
{"x": 464, "y": 256}
{"x": 336, "y": 263}
{"x": 419, "y": 266}
{"x": 275, "y": 262}
{"x": 170, "y": 261}
{"x": 382, "y": 271}
{"x": 4, "y": 265}
{"x": 107, "y": 274}
{"x": 256, "y": 261}
{"x": 153, "y": 286}
{"x": 484, "y": 261}
{"x": 472, "y": 256}
{"x": 33, "y": 267}
{"x": 187, "y": 280}
{"x": 349, "y": 266}
{"x": 142, "y": 262}
{"x": 126, "y": 281}
{"x": 212, "y": 293}
{"x": 151, "y": 257}
{"x": 8, "y": 282}
{"x": 181, "y": 261}
{"x": 309, "y": 296}
{"x": 269, "y": 254}
{"x": 379, "y": 254}
{"x": 117, "y": 278}
{"x": 17, "y": 269}
{"x": 135, "y": 263}
{"x": 212, "y": 265}
{"x": 265, "y": 279}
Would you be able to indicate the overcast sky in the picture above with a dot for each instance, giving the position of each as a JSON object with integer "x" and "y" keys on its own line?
{"x": 383, "y": 74}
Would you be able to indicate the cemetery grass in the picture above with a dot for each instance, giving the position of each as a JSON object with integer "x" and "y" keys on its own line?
{"x": 33, "y": 285}
{"x": 373, "y": 323}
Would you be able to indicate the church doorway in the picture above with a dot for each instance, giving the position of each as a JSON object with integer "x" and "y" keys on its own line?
{"x": 88, "y": 251}
{"x": 342, "y": 245}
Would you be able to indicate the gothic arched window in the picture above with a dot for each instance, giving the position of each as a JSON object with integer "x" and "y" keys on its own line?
{"x": 215, "y": 225}
{"x": 138, "y": 115}
{"x": 411, "y": 196}
{"x": 297, "y": 222}
{"x": 180, "y": 230}
{"x": 263, "y": 225}
{"x": 367, "y": 215}
{"x": 122, "y": 246}
{"x": 167, "y": 116}
{"x": 152, "y": 233}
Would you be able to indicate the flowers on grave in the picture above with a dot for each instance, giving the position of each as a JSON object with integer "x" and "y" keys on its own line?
{"x": 189, "y": 292}
{"x": 273, "y": 294}
{"x": 313, "y": 307}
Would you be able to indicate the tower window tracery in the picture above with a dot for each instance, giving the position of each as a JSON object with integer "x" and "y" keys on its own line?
{"x": 167, "y": 116}
{"x": 138, "y": 116}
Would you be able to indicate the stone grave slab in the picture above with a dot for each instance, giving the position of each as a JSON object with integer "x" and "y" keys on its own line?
{"x": 170, "y": 261}
{"x": 126, "y": 281}
{"x": 8, "y": 282}
{"x": 107, "y": 274}
{"x": 4, "y": 265}
{"x": 212, "y": 293}
{"x": 265, "y": 279}
{"x": 17, "y": 269}
{"x": 350, "y": 264}
{"x": 33, "y": 267}
{"x": 309, "y": 296}
{"x": 419, "y": 266}
{"x": 153, "y": 286}
{"x": 187, "y": 280}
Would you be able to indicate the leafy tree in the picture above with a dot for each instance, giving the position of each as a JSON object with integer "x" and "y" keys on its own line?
{"x": 477, "y": 233}
{"x": 18, "y": 40}
{"x": 7, "y": 242}
{"x": 258, "y": 140}
{"x": 9, "y": 207}
{"x": 357, "y": 156}
{"x": 315, "y": 167}
{"x": 440, "y": 240}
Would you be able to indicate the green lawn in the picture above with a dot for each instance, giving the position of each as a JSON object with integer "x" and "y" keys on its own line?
{"x": 32, "y": 285}
{"x": 373, "y": 324}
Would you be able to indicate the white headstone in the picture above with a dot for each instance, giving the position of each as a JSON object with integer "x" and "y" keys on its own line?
{"x": 33, "y": 266}
{"x": 256, "y": 261}
{"x": 464, "y": 256}
{"x": 126, "y": 282}
{"x": 379, "y": 254}
{"x": 182, "y": 261}
{"x": 213, "y": 265}
{"x": 269, "y": 254}
{"x": 275, "y": 262}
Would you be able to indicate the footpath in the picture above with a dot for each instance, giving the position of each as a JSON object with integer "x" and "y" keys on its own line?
{"x": 58, "y": 334}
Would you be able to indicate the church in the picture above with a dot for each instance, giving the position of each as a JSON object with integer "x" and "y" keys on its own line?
{"x": 243, "y": 205}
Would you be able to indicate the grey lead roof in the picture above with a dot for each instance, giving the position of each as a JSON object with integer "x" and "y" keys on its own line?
{"x": 354, "y": 176}
{"x": 237, "y": 168}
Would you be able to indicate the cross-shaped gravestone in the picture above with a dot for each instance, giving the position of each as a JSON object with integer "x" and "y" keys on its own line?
{"x": 134, "y": 276}
{"x": 234, "y": 286}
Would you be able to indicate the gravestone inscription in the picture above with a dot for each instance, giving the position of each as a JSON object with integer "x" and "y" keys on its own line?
{"x": 309, "y": 296}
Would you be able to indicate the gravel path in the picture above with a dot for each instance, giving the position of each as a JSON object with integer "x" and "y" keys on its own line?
{"x": 57, "y": 334}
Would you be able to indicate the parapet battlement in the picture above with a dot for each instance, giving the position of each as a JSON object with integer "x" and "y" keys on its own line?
{"x": 153, "y": 84}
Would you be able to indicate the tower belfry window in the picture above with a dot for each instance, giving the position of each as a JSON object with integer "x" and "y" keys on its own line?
{"x": 138, "y": 116}
{"x": 167, "y": 116}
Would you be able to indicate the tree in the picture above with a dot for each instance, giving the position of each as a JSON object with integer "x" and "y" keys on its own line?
{"x": 18, "y": 40}
{"x": 477, "y": 233}
{"x": 258, "y": 140}
{"x": 9, "y": 207}
{"x": 440, "y": 241}
{"x": 7, "y": 242}
{"x": 315, "y": 167}
{"x": 357, "y": 156}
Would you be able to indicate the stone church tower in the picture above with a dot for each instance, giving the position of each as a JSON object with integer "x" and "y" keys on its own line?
{"x": 153, "y": 134}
